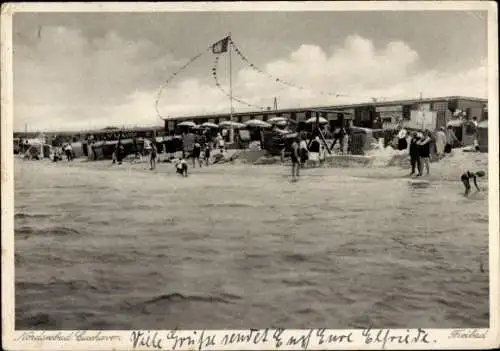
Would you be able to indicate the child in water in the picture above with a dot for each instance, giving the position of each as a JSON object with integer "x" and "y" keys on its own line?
{"x": 467, "y": 176}
{"x": 182, "y": 167}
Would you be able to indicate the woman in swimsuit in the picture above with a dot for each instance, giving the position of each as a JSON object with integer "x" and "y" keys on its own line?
{"x": 424, "y": 151}
{"x": 152, "y": 156}
{"x": 295, "y": 156}
{"x": 467, "y": 176}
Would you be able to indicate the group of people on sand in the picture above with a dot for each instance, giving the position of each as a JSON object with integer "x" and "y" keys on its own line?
{"x": 422, "y": 145}
{"x": 300, "y": 153}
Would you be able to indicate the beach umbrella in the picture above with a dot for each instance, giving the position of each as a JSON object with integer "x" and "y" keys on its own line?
{"x": 257, "y": 123}
{"x": 322, "y": 120}
{"x": 229, "y": 124}
{"x": 276, "y": 120}
{"x": 209, "y": 125}
{"x": 187, "y": 124}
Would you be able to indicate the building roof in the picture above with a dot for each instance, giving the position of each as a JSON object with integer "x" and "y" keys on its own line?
{"x": 330, "y": 108}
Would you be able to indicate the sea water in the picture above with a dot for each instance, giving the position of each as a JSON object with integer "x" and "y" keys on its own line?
{"x": 240, "y": 246}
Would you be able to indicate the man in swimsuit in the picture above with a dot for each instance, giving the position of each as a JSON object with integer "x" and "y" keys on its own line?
{"x": 467, "y": 176}
{"x": 295, "y": 159}
{"x": 152, "y": 156}
{"x": 207, "y": 154}
{"x": 196, "y": 154}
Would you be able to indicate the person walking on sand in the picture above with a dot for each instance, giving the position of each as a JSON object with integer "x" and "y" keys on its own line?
{"x": 440, "y": 141}
{"x": 451, "y": 140}
{"x": 314, "y": 150}
{"x": 402, "y": 144}
{"x": 303, "y": 152}
{"x": 220, "y": 142}
{"x": 147, "y": 147}
{"x": 295, "y": 157}
{"x": 425, "y": 152}
{"x": 68, "y": 150}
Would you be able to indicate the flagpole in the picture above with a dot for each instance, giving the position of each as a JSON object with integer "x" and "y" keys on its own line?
{"x": 231, "y": 132}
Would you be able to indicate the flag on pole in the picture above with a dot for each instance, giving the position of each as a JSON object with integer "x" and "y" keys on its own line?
{"x": 220, "y": 46}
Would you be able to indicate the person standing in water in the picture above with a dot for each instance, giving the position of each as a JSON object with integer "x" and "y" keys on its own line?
{"x": 206, "y": 156}
{"x": 152, "y": 156}
{"x": 425, "y": 152}
{"x": 414, "y": 155}
{"x": 295, "y": 156}
{"x": 467, "y": 176}
{"x": 196, "y": 153}
{"x": 119, "y": 152}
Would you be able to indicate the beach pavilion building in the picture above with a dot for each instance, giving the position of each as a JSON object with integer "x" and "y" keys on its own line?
{"x": 430, "y": 113}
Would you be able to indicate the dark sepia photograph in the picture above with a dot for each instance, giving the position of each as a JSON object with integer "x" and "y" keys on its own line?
{"x": 251, "y": 169}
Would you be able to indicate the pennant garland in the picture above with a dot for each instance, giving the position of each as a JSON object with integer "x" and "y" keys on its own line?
{"x": 220, "y": 47}
{"x": 276, "y": 79}
{"x": 173, "y": 75}
{"x": 219, "y": 86}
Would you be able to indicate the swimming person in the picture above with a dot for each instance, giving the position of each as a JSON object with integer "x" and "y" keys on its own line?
{"x": 467, "y": 176}
{"x": 182, "y": 167}
{"x": 295, "y": 156}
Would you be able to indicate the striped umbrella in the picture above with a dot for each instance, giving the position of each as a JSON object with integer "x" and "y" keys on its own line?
{"x": 257, "y": 123}
{"x": 187, "y": 124}
{"x": 322, "y": 120}
{"x": 229, "y": 124}
{"x": 209, "y": 125}
{"x": 276, "y": 120}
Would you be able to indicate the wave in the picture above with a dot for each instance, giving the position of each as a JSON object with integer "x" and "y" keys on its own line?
{"x": 230, "y": 205}
{"x": 28, "y": 231}
{"x": 296, "y": 257}
{"x": 171, "y": 298}
{"x": 180, "y": 297}
{"x": 61, "y": 286}
{"x": 22, "y": 215}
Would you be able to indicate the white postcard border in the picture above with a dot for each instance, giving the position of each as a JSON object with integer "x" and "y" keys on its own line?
{"x": 290, "y": 339}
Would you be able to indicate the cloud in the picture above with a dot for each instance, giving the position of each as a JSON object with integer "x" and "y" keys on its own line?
{"x": 66, "y": 81}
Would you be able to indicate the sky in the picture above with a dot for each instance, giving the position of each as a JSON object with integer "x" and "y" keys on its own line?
{"x": 77, "y": 71}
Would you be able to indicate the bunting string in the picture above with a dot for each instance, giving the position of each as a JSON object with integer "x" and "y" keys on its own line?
{"x": 273, "y": 78}
{"x": 240, "y": 54}
{"x": 173, "y": 75}
{"x": 219, "y": 86}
